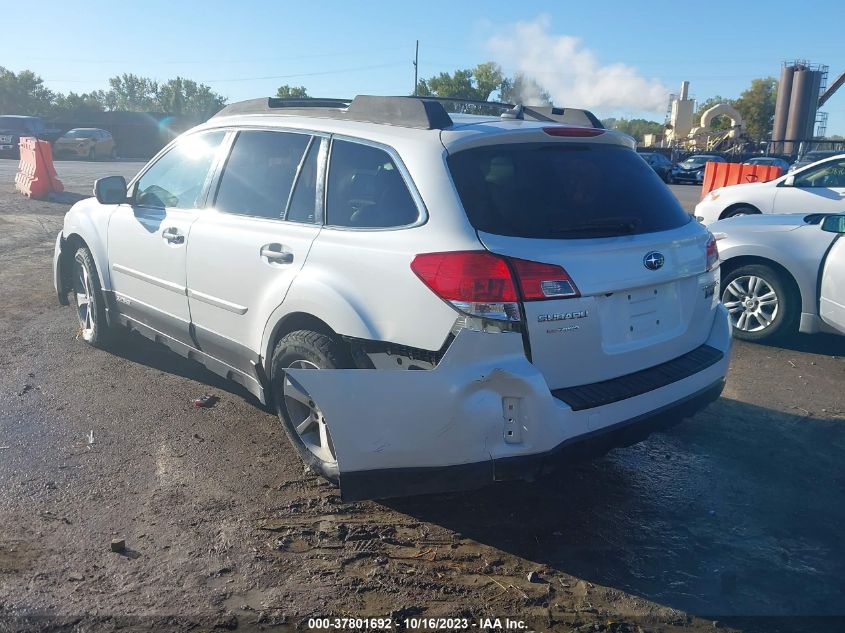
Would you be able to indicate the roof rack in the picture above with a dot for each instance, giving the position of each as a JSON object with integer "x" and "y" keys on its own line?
{"x": 423, "y": 112}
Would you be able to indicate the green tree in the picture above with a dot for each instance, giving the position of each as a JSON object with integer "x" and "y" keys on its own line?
{"x": 476, "y": 84}
{"x": 133, "y": 93}
{"x": 757, "y": 107}
{"x": 23, "y": 93}
{"x": 186, "y": 97}
{"x": 291, "y": 92}
{"x": 85, "y": 103}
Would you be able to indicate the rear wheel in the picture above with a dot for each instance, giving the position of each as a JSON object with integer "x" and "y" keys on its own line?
{"x": 301, "y": 416}
{"x": 762, "y": 304}
{"x": 88, "y": 299}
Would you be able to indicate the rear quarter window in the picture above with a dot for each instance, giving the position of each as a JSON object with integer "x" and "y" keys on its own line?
{"x": 366, "y": 189}
{"x": 562, "y": 190}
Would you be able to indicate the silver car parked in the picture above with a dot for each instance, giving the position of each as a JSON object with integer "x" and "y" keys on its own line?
{"x": 782, "y": 273}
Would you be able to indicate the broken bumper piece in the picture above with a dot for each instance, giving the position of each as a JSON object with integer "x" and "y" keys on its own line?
{"x": 485, "y": 414}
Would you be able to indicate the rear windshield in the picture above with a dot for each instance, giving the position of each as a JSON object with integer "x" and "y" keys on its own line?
{"x": 562, "y": 190}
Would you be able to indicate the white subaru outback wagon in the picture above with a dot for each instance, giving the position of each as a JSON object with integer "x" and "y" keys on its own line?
{"x": 431, "y": 302}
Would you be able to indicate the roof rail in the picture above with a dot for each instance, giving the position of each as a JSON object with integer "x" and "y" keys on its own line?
{"x": 401, "y": 111}
{"x": 568, "y": 116}
{"x": 425, "y": 112}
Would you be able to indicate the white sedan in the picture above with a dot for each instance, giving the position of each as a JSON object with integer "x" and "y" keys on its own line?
{"x": 783, "y": 273}
{"x": 816, "y": 188}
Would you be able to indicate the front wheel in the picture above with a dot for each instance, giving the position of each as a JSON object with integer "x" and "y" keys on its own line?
{"x": 740, "y": 211}
{"x": 88, "y": 299}
{"x": 302, "y": 419}
{"x": 761, "y": 303}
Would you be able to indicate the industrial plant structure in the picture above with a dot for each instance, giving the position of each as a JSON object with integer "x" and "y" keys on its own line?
{"x": 797, "y": 108}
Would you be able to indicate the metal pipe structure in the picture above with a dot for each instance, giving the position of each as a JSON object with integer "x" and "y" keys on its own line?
{"x": 782, "y": 107}
{"x": 799, "y": 106}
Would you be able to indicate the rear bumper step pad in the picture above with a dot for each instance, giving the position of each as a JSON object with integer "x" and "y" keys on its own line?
{"x": 599, "y": 394}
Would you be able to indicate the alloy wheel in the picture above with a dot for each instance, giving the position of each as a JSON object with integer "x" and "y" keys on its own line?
{"x": 307, "y": 418}
{"x": 751, "y": 302}
{"x": 84, "y": 301}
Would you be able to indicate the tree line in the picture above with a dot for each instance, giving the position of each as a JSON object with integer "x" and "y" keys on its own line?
{"x": 25, "y": 93}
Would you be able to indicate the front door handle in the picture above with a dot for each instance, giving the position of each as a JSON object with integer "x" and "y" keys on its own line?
{"x": 276, "y": 254}
{"x": 173, "y": 236}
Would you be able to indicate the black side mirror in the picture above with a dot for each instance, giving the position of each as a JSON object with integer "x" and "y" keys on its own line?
{"x": 110, "y": 190}
{"x": 834, "y": 224}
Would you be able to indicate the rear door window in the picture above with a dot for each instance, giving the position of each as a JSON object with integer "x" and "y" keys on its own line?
{"x": 259, "y": 173}
{"x": 366, "y": 189}
{"x": 562, "y": 190}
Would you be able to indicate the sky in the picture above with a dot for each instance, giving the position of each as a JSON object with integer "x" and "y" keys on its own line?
{"x": 616, "y": 57}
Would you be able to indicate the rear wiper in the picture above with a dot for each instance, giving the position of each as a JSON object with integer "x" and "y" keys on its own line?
{"x": 614, "y": 226}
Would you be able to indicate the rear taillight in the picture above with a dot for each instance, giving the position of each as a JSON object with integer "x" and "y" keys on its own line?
{"x": 712, "y": 253}
{"x": 475, "y": 282}
{"x": 481, "y": 284}
{"x": 543, "y": 281}
{"x": 578, "y": 132}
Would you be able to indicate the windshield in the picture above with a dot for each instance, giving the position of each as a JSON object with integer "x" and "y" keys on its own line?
{"x": 12, "y": 123}
{"x": 696, "y": 160}
{"x": 562, "y": 190}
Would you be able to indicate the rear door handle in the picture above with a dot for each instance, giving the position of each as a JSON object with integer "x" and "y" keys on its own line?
{"x": 274, "y": 253}
{"x": 173, "y": 235}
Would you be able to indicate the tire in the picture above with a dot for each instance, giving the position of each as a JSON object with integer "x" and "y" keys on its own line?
{"x": 89, "y": 300}
{"x": 751, "y": 319}
{"x": 738, "y": 211}
{"x": 305, "y": 349}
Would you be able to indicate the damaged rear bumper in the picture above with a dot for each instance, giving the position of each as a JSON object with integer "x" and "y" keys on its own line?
{"x": 485, "y": 414}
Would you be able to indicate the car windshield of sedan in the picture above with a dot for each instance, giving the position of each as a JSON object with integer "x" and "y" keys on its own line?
{"x": 695, "y": 161}
{"x": 79, "y": 134}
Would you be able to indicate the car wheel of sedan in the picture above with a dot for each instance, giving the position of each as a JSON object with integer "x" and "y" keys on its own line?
{"x": 303, "y": 420}
{"x": 761, "y": 303}
{"x": 88, "y": 298}
{"x": 738, "y": 211}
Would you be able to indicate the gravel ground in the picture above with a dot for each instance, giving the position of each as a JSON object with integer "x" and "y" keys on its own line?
{"x": 735, "y": 513}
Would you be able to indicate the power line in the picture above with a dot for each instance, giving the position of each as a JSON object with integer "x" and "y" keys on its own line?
{"x": 314, "y": 74}
{"x": 291, "y": 76}
{"x": 220, "y": 61}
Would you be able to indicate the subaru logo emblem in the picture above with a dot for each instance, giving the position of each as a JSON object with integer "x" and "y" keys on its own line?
{"x": 653, "y": 260}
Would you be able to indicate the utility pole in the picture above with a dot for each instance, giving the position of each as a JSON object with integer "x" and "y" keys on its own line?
{"x": 416, "y": 67}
